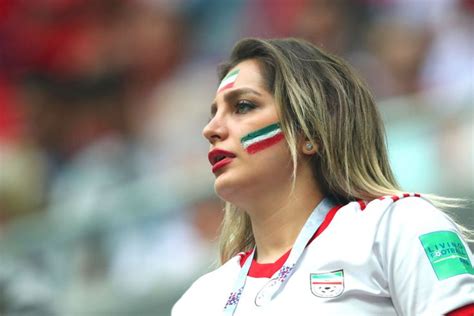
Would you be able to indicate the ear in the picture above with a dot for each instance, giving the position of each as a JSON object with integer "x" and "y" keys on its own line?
{"x": 308, "y": 147}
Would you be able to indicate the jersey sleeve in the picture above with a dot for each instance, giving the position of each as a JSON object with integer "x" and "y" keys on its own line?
{"x": 182, "y": 306}
{"x": 200, "y": 299}
{"x": 208, "y": 294}
{"x": 427, "y": 263}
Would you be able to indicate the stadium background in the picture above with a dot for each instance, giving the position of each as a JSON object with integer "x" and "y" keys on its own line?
{"x": 106, "y": 200}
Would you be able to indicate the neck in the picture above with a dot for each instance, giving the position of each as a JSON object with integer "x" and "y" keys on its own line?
{"x": 278, "y": 219}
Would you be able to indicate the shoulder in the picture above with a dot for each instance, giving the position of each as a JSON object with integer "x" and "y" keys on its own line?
{"x": 409, "y": 222}
{"x": 390, "y": 221}
{"x": 416, "y": 214}
{"x": 209, "y": 292}
{"x": 426, "y": 261}
{"x": 406, "y": 217}
{"x": 405, "y": 208}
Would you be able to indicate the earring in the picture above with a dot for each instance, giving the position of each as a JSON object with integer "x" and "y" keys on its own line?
{"x": 309, "y": 146}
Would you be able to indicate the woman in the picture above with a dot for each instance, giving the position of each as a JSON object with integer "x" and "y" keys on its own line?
{"x": 315, "y": 222}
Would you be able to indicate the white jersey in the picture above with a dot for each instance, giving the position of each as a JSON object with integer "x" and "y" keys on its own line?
{"x": 392, "y": 256}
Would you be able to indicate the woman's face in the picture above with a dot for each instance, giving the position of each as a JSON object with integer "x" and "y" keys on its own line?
{"x": 248, "y": 154}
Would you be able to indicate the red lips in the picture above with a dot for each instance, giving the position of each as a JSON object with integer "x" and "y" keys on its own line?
{"x": 219, "y": 158}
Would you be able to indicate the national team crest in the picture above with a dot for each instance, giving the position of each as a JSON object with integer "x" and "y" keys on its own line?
{"x": 328, "y": 284}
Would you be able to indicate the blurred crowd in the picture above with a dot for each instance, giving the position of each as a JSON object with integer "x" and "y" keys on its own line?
{"x": 106, "y": 198}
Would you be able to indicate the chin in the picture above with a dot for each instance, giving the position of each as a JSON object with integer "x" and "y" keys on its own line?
{"x": 223, "y": 189}
{"x": 228, "y": 189}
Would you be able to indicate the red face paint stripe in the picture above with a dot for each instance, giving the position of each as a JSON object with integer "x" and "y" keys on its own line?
{"x": 227, "y": 86}
{"x": 230, "y": 74}
{"x": 267, "y": 130}
{"x": 326, "y": 282}
{"x": 252, "y": 149}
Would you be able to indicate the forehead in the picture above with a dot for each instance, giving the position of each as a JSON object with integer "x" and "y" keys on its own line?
{"x": 249, "y": 80}
{"x": 249, "y": 74}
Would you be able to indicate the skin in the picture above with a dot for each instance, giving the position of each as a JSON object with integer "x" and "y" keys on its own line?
{"x": 260, "y": 183}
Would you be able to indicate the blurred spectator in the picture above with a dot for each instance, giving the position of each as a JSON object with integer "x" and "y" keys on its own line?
{"x": 267, "y": 18}
{"x": 174, "y": 252}
{"x": 106, "y": 203}
{"x": 10, "y": 113}
{"x": 333, "y": 25}
{"x": 398, "y": 52}
{"x": 21, "y": 166}
{"x": 83, "y": 72}
{"x": 81, "y": 80}
{"x": 449, "y": 65}
{"x": 21, "y": 181}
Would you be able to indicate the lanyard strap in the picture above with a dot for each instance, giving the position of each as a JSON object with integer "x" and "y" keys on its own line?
{"x": 281, "y": 276}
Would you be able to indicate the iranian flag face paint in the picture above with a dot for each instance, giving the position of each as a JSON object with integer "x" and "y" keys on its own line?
{"x": 262, "y": 138}
{"x": 229, "y": 80}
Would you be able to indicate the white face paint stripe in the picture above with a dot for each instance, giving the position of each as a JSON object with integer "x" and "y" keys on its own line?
{"x": 229, "y": 80}
{"x": 257, "y": 139}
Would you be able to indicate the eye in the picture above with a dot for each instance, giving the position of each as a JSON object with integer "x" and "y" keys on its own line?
{"x": 244, "y": 106}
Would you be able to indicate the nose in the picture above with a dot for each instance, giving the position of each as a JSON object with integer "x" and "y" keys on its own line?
{"x": 215, "y": 130}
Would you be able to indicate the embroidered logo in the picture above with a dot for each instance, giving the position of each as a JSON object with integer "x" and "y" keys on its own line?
{"x": 327, "y": 284}
{"x": 234, "y": 298}
{"x": 446, "y": 253}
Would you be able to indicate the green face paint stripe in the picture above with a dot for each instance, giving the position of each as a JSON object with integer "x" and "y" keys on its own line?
{"x": 260, "y": 132}
{"x": 264, "y": 143}
{"x": 229, "y": 80}
{"x": 260, "y": 138}
{"x": 334, "y": 275}
{"x": 446, "y": 253}
{"x": 233, "y": 72}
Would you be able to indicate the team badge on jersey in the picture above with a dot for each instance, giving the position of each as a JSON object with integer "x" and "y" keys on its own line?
{"x": 327, "y": 284}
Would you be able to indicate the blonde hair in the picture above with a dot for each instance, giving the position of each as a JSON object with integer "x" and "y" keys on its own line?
{"x": 320, "y": 97}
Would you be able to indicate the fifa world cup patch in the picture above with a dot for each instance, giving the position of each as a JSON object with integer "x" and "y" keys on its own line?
{"x": 327, "y": 284}
{"x": 446, "y": 253}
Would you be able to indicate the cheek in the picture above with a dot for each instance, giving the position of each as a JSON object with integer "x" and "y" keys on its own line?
{"x": 262, "y": 139}
{"x": 262, "y": 145}
{"x": 256, "y": 173}
{"x": 272, "y": 162}
{"x": 278, "y": 156}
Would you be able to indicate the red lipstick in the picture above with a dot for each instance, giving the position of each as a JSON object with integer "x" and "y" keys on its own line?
{"x": 220, "y": 158}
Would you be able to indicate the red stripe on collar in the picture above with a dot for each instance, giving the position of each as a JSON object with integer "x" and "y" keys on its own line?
{"x": 267, "y": 270}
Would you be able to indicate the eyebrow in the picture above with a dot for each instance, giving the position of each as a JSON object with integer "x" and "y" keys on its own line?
{"x": 232, "y": 95}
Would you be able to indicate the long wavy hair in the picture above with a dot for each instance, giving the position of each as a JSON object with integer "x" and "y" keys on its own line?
{"x": 320, "y": 97}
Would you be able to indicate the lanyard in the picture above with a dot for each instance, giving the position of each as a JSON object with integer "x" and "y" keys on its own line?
{"x": 282, "y": 275}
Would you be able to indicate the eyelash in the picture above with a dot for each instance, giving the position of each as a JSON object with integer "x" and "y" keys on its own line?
{"x": 238, "y": 108}
{"x": 247, "y": 105}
